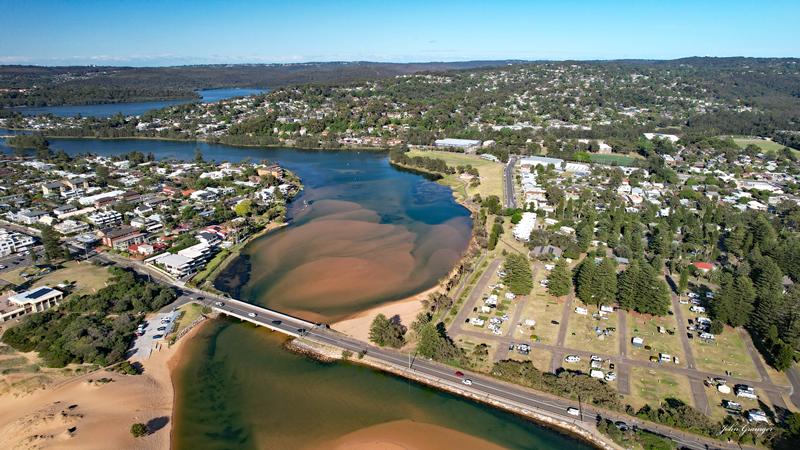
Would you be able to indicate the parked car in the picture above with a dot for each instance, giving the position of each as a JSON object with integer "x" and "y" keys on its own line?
{"x": 691, "y": 336}
{"x": 611, "y": 366}
{"x": 554, "y": 322}
{"x": 161, "y": 328}
{"x": 572, "y": 359}
{"x": 2, "y": 266}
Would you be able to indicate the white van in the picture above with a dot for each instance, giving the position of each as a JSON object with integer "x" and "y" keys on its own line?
{"x": 573, "y": 411}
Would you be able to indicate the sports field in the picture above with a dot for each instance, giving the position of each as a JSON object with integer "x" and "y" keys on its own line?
{"x": 610, "y": 159}
{"x": 491, "y": 173}
{"x": 765, "y": 145}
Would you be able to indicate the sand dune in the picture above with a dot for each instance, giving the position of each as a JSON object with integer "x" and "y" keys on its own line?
{"x": 86, "y": 414}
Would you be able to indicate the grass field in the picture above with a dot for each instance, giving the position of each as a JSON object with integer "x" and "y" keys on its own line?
{"x": 481, "y": 363}
{"x": 542, "y": 308}
{"x": 765, "y": 145}
{"x": 491, "y": 173}
{"x": 718, "y": 413}
{"x": 504, "y": 307}
{"x": 725, "y": 353}
{"x": 539, "y": 357}
{"x": 653, "y": 386}
{"x": 85, "y": 277}
{"x": 646, "y": 327}
{"x": 610, "y": 159}
{"x": 191, "y": 311}
{"x": 581, "y": 331}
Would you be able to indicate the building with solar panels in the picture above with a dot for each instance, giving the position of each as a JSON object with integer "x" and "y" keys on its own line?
{"x": 34, "y": 300}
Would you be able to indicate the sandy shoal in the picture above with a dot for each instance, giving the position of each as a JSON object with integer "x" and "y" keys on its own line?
{"x": 358, "y": 326}
{"x": 101, "y": 414}
{"x": 407, "y": 435}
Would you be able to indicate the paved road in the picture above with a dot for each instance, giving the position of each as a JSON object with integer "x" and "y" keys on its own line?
{"x": 508, "y": 176}
{"x": 562, "y": 332}
{"x": 490, "y": 388}
{"x": 476, "y": 294}
{"x": 688, "y": 356}
{"x": 794, "y": 378}
{"x": 751, "y": 349}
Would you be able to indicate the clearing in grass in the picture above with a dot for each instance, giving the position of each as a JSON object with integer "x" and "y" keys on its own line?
{"x": 582, "y": 331}
{"x": 647, "y": 327}
{"x": 491, "y": 173}
{"x": 480, "y": 352}
{"x": 653, "y": 386}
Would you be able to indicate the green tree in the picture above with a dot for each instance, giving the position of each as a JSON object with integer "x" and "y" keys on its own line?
{"x": 605, "y": 283}
{"x": 560, "y": 281}
{"x": 138, "y": 430}
{"x": 518, "y": 274}
{"x": 784, "y": 357}
{"x": 584, "y": 279}
{"x": 198, "y": 156}
{"x": 52, "y": 244}
{"x": 683, "y": 282}
{"x": 378, "y": 330}
{"x": 244, "y": 208}
{"x": 428, "y": 341}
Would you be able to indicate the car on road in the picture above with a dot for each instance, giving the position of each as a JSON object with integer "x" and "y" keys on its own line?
{"x": 573, "y": 411}
{"x": 467, "y": 382}
{"x": 161, "y": 328}
{"x": 2, "y": 266}
{"x": 621, "y": 425}
{"x": 276, "y": 322}
{"x": 720, "y": 380}
{"x": 460, "y": 374}
{"x": 511, "y": 346}
{"x": 252, "y": 314}
{"x": 219, "y": 304}
{"x": 14, "y": 263}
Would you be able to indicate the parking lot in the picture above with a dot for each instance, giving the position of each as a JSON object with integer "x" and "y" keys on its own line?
{"x": 143, "y": 345}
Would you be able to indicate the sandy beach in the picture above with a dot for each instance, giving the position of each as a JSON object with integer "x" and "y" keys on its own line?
{"x": 407, "y": 309}
{"x": 86, "y": 414}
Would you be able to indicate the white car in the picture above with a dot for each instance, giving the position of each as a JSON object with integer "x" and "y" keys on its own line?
{"x": 572, "y": 359}
{"x": 611, "y": 376}
{"x": 252, "y": 314}
{"x": 467, "y": 382}
{"x": 219, "y": 304}
{"x": 2, "y": 266}
{"x": 596, "y": 358}
{"x": 573, "y": 411}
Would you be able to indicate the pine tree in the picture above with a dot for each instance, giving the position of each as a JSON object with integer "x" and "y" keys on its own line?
{"x": 742, "y": 303}
{"x": 584, "y": 234}
{"x": 378, "y": 330}
{"x": 683, "y": 282}
{"x": 604, "y": 285}
{"x": 428, "y": 341}
{"x": 767, "y": 281}
{"x": 518, "y": 274}
{"x": 584, "y": 279}
{"x": 560, "y": 282}
{"x": 784, "y": 357}
{"x": 626, "y": 283}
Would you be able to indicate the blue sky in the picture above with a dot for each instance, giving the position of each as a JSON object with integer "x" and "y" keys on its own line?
{"x": 157, "y": 33}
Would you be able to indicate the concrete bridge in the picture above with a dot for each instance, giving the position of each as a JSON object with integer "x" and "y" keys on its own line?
{"x": 263, "y": 317}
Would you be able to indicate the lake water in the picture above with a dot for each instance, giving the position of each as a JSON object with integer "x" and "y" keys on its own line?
{"x": 134, "y": 109}
{"x": 361, "y": 233}
{"x": 238, "y": 389}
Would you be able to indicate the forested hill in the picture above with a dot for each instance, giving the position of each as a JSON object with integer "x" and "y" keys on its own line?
{"x": 52, "y": 86}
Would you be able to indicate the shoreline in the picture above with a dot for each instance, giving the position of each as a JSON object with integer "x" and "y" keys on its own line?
{"x": 589, "y": 436}
{"x": 96, "y": 410}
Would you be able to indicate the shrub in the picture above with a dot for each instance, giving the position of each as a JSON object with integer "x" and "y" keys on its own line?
{"x": 138, "y": 429}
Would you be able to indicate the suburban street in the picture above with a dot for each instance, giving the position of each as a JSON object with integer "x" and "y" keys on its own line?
{"x": 508, "y": 183}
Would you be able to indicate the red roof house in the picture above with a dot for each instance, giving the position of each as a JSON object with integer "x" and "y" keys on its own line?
{"x": 703, "y": 267}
